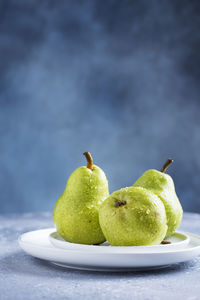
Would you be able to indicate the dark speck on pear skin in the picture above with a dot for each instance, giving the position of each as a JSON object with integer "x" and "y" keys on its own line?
{"x": 156, "y": 215}
{"x": 120, "y": 203}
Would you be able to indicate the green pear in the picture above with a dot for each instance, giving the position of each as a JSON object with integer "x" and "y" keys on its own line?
{"x": 133, "y": 216}
{"x": 162, "y": 185}
{"x": 76, "y": 214}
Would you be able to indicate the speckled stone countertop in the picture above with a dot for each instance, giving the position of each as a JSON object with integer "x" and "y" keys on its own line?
{"x": 25, "y": 277}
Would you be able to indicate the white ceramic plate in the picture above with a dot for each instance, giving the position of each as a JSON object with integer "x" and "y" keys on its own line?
{"x": 37, "y": 244}
{"x": 178, "y": 240}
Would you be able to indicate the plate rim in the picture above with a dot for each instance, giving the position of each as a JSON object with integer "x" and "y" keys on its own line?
{"x": 101, "y": 261}
{"x": 108, "y": 253}
{"x": 100, "y": 248}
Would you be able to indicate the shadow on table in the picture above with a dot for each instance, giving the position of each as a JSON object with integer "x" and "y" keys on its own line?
{"x": 20, "y": 262}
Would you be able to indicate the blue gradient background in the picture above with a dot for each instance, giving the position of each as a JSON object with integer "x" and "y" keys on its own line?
{"x": 117, "y": 78}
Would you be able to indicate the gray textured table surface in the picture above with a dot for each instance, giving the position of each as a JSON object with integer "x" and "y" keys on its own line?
{"x": 25, "y": 277}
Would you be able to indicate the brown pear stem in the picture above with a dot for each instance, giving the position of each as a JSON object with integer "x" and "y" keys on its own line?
{"x": 166, "y": 165}
{"x": 89, "y": 160}
{"x": 164, "y": 242}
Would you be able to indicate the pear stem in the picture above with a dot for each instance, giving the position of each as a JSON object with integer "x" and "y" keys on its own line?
{"x": 89, "y": 160}
{"x": 166, "y": 165}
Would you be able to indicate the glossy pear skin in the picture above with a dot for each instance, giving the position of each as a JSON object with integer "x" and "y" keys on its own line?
{"x": 139, "y": 220}
{"x": 162, "y": 185}
{"x": 76, "y": 211}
